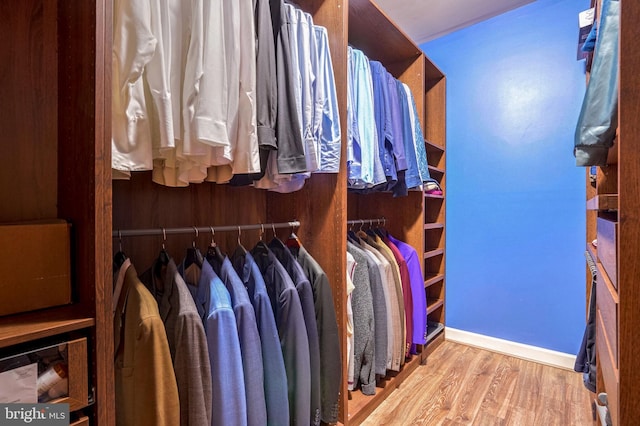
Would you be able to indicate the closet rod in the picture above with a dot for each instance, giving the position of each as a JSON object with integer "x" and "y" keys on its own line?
{"x": 202, "y": 229}
{"x": 378, "y": 221}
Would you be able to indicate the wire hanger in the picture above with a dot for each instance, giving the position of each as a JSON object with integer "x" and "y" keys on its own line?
{"x": 214, "y": 254}
{"x": 293, "y": 242}
{"x": 120, "y": 256}
{"x": 193, "y": 254}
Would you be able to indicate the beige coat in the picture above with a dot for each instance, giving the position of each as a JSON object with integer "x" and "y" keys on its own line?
{"x": 145, "y": 385}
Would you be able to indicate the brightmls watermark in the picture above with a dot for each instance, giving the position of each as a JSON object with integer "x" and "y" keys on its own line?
{"x": 34, "y": 414}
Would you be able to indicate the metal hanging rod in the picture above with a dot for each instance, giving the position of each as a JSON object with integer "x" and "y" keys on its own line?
{"x": 204, "y": 229}
{"x": 379, "y": 221}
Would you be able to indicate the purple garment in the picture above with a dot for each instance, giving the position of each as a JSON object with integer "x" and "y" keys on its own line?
{"x": 417, "y": 291}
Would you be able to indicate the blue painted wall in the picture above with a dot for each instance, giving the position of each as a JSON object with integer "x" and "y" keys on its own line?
{"x": 515, "y": 199}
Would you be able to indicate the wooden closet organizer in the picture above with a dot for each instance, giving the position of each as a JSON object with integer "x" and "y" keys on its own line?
{"x": 613, "y": 217}
{"x": 55, "y": 120}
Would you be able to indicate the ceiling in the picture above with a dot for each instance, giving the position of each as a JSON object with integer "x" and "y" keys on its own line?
{"x": 425, "y": 20}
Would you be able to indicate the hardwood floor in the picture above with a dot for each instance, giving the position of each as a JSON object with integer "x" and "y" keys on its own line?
{"x": 463, "y": 385}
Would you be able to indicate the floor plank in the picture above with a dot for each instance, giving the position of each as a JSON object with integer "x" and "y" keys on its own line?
{"x": 462, "y": 385}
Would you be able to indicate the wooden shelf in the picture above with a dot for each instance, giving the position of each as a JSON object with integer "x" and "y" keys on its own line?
{"x": 22, "y": 328}
{"x": 433, "y": 304}
{"x": 433, "y": 147}
{"x": 360, "y": 405}
{"x": 433, "y": 226}
{"x": 433, "y": 330}
{"x": 433, "y": 279}
{"x": 603, "y": 202}
{"x": 433, "y": 253}
{"x": 433, "y": 169}
{"x": 438, "y": 197}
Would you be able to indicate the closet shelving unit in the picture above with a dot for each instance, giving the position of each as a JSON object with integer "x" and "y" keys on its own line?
{"x": 55, "y": 115}
{"x": 411, "y": 218}
{"x": 434, "y": 205}
{"x": 613, "y": 217}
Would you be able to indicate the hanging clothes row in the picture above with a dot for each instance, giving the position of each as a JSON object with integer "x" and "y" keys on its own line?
{"x": 386, "y": 309}
{"x": 251, "y": 337}
{"x": 385, "y": 143}
{"x": 223, "y": 93}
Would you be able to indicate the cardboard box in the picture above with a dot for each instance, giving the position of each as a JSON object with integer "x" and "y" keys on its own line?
{"x": 35, "y": 266}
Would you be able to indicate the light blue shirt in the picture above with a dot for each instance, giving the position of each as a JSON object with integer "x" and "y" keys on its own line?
{"x": 418, "y": 138}
{"x": 327, "y": 120}
{"x": 412, "y": 176}
{"x": 365, "y": 142}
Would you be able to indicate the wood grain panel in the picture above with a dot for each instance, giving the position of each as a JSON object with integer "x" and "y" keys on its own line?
{"x": 365, "y": 20}
{"x": 78, "y": 375}
{"x": 140, "y": 203}
{"x": 607, "y": 303}
{"x": 610, "y": 374}
{"x": 104, "y": 412}
{"x": 28, "y": 110}
{"x": 435, "y": 110}
{"x": 629, "y": 220}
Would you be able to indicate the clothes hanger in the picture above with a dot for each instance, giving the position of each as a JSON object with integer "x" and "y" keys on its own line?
{"x": 361, "y": 233}
{"x": 381, "y": 231}
{"x": 371, "y": 233}
{"x": 194, "y": 256}
{"x": 261, "y": 246}
{"x": 120, "y": 256}
{"x": 213, "y": 252}
{"x": 240, "y": 250}
{"x": 276, "y": 241}
{"x": 293, "y": 242}
{"x": 161, "y": 262}
{"x": 351, "y": 235}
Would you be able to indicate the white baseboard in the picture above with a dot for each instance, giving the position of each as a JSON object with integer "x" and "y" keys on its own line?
{"x": 515, "y": 349}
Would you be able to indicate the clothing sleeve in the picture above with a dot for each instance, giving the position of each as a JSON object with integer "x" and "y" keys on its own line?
{"x": 354, "y": 157}
{"x": 157, "y": 73}
{"x": 290, "y": 154}
{"x": 212, "y": 102}
{"x": 295, "y": 350}
{"x": 155, "y": 392}
{"x": 133, "y": 47}
{"x": 372, "y": 172}
{"x": 330, "y": 359}
{"x": 396, "y": 136}
{"x": 275, "y": 376}
{"x": 229, "y": 404}
{"x": 418, "y": 138}
{"x": 193, "y": 371}
{"x": 246, "y": 157}
{"x": 329, "y": 121}
{"x": 266, "y": 83}
{"x": 253, "y": 369}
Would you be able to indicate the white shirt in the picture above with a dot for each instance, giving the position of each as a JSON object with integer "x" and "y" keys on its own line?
{"x": 133, "y": 47}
